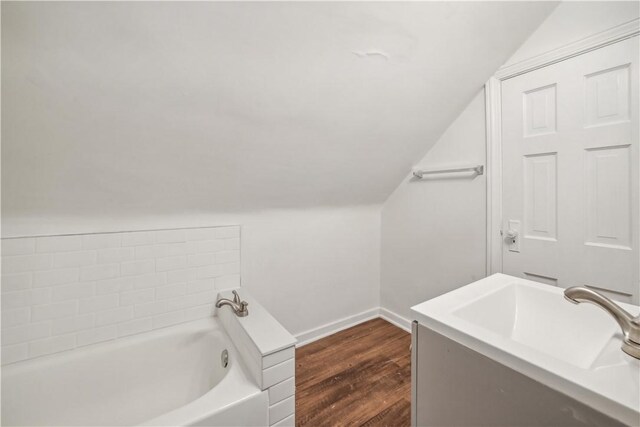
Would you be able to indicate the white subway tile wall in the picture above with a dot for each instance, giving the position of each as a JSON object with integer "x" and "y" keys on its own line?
{"x": 63, "y": 292}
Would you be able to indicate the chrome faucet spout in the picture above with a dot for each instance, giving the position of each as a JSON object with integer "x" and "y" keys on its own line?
{"x": 629, "y": 324}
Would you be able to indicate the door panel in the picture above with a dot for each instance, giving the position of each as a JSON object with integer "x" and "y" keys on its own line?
{"x": 570, "y": 171}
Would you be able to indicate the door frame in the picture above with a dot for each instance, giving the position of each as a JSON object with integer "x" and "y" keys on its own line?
{"x": 493, "y": 116}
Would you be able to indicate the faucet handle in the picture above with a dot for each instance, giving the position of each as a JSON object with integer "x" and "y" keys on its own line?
{"x": 242, "y": 310}
{"x": 236, "y": 297}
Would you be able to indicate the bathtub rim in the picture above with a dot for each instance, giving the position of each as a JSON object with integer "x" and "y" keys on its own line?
{"x": 114, "y": 344}
{"x": 239, "y": 385}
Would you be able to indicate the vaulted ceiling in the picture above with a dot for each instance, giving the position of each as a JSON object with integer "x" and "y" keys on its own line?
{"x": 169, "y": 107}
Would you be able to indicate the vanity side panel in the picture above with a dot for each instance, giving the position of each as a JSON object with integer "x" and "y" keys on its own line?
{"x": 458, "y": 386}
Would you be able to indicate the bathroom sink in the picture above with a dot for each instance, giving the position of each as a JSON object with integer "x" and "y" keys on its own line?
{"x": 538, "y": 318}
{"x": 530, "y": 327}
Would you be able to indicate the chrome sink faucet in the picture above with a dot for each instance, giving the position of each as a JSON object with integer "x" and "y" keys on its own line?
{"x": 239, "y": 307}
{"x": 630, "y": 325}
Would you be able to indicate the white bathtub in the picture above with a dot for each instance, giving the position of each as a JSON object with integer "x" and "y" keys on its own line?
{"x": 171, "y": 376}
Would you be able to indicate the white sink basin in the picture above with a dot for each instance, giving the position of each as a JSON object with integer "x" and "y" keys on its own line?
{"x": 530, "y": 327}
{"x": 538, "y": 318}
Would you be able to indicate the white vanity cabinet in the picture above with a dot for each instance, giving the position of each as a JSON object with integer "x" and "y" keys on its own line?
{"x": 454, "y": 385}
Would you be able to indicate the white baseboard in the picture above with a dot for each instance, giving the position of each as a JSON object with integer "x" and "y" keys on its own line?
{"x": 337, "y": 326}
{"x": 395, "y": 319}
{"x": 315, "y": 334}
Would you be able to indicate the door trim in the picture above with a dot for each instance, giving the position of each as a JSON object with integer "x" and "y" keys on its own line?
{"x": 587, "y": 44}
{"x": 493, "y": 117}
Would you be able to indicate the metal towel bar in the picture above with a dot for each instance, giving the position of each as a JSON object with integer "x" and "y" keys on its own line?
{"x": 479, "y": 170}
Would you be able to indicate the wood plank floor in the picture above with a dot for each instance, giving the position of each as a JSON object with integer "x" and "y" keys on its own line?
{"x": 357, "y": 377}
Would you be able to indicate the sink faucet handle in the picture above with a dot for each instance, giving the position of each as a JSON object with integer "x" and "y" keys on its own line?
{"x": 236, "y": 297}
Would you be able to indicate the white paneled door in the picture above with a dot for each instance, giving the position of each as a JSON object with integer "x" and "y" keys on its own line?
{"x": 570, "y": 172}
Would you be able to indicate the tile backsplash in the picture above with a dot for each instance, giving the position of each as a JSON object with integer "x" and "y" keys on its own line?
{"x": 62, "y": 292}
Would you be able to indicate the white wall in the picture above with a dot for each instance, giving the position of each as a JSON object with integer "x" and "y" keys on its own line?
{"x": 307, "y": 267}
{"x": 310, "y": 268}
{"x": 433, "y": 230}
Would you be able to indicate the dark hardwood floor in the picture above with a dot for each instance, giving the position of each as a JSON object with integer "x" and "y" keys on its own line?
{"x": 357, "y": 377}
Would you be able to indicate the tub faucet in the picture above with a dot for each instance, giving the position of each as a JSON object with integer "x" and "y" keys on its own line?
{"x": 239, "y": 307}
{"x": 630, "y": 325}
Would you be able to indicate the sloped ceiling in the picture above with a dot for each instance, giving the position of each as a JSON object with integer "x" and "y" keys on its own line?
{"x": 141, "y": 107}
